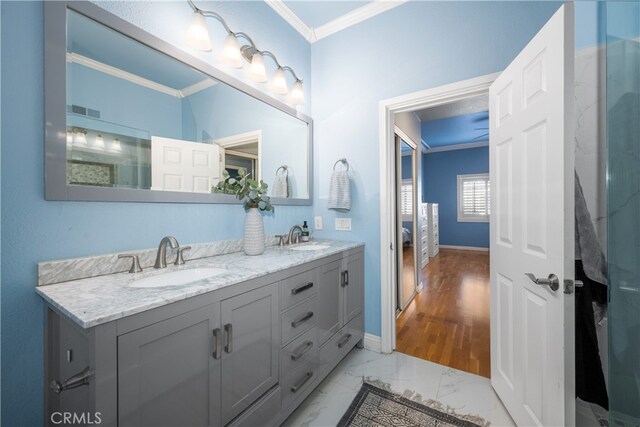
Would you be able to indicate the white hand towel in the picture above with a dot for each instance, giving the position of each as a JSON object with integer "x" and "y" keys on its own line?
{"x": 280, "y": 186}
{"x": 340, "y": 192}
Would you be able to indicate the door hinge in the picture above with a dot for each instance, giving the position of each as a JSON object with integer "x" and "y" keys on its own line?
{"x": 391, "y": 246}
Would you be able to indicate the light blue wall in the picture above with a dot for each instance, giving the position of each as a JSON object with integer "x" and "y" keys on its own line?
{"x": 440, "y": 174}
{"x": 353, "y": 70}
{"x": 221, "y": 111}
{"x": 37, "y": 230}
{"x": 122, "y": 102}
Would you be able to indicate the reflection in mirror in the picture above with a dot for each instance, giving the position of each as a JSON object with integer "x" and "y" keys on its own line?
{"x": 139, "y": 119}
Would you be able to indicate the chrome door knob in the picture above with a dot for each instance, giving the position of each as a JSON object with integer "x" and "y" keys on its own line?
{"x": 552, "y": 281}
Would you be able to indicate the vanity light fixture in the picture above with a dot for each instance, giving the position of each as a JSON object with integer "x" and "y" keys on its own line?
{"x": 115, "y": 146}
{"x": 233, "y": 54}
{"x": 79, "y": 137}
{"x": 98, "y": 142}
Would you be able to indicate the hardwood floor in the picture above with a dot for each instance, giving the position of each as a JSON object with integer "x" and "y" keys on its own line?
{"x": 448, "y": 322}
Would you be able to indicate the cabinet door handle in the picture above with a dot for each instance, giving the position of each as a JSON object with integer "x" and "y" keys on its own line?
{"x": 300, "y": 351}
{"x": 345, "y": 278}
{"x": 228, "y": 346}
{"x": 307, "y": 377}
{"x": 217, "y": 346}
{"x": 296, "y": 291}
{"x": 344, "y": 340}
{"x": 301, "y": 320}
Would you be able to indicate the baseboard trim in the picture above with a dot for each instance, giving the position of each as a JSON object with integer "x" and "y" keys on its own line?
{"x": 372, "y": 342}
{"x": 465, "y": 248}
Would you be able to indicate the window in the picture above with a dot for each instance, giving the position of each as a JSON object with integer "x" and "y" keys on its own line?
{"x": 473, "y": 198}
{"x": 406, "y": 199}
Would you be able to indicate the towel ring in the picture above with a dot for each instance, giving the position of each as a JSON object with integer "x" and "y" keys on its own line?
{"x": 285, "y": 168}
{"x": 343, "y": 161}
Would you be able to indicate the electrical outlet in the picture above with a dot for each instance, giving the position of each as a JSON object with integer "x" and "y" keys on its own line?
{"x": 343, "y": 224}
{"x": 318, "y": 223}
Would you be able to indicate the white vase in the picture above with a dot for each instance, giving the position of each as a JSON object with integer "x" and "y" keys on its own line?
{"x": 253, "y": 232}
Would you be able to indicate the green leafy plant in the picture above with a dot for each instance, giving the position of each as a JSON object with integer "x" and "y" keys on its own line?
{"x": 250, "y": 191}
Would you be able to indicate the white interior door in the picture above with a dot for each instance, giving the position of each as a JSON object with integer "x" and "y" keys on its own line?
{"x": 178, "y": 165}
{"x": 532, "y": 228}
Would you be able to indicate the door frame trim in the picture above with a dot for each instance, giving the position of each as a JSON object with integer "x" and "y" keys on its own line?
{"x": 387, "y": 108}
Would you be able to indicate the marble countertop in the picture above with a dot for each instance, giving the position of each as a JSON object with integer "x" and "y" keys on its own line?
{"x": 96, "y": 300}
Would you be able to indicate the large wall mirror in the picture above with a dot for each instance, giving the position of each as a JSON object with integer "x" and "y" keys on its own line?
{"x": 132, "y": 118}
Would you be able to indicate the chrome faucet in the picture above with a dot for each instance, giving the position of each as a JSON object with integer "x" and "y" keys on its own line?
{"x": 161, "y": 257}
{"x": 292, "y": 233}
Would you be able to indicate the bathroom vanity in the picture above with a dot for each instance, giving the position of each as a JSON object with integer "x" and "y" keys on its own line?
{"x": 243, "y": 347}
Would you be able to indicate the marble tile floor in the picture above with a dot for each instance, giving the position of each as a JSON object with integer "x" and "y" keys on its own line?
{"x": 466, "y": 393}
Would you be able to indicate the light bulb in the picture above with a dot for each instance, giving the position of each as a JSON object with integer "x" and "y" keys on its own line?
{"x": 197, "y": 33}
{"x": 297, "y": 94}
{"x": 231, "y": 55}
{"x": 98, "y": 142}
{"x": 80, "y": 138}
{"x": 279, "y": 82}
{"x": 115, "y": 146}
{"x": 257, "y": 70}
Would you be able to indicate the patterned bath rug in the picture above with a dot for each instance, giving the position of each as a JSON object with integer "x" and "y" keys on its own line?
{"x": 374, "y": 406}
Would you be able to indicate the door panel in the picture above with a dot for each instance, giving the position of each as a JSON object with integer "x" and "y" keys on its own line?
{"x": 250, "y": 359}
{"x": 166, "y": 373}
{"x": 354, "y": 290}
{"x": 330, "y": 313}
{"x": 531, "y": 163}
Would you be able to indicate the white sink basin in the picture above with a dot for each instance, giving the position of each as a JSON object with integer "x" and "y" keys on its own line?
{"x": 310, "y": 247}
{"x": 177, "y": 278}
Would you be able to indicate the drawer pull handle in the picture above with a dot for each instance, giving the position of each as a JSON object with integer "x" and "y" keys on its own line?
{"x": 300, "y": 351}
{"x": 301, "y": 320}
{"x": 344, "y": 341}
{"x": 228, "y": 347}
{"x": 217, "y": 346}
{"x": 296, "y": 387}
{"x": 296, "y": 291}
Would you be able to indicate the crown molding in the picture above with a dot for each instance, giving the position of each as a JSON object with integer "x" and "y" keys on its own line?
{"x": 288, "y": 15}
{"x": 457, "y": 147}
{"x": 135, "y": 79}
{"x": 356, "y": 16}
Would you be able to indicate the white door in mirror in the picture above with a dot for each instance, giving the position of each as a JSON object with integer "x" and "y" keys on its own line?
{"x": 178, "y": 165}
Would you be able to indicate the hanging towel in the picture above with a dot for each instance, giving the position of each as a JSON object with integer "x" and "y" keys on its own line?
{"x": 339, "y": 191}
{"x": 280, "y": 186}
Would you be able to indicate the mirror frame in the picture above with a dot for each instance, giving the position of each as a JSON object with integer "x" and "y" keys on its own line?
{"x": 55, "y": 111}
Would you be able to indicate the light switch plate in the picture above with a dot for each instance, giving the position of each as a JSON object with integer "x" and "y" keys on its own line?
{"x": 317, "y": 223}
{"x": 343, "y": 224}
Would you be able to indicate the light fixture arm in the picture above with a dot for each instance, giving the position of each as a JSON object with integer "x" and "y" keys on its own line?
{"x": 287, "y": 68}
{"x": 247, "y": 38}
{"x": 210, "y": 14}
{"x": 272, "y": 56}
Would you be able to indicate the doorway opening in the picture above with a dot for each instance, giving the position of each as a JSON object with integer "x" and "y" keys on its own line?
{"x": 442, "y": 291}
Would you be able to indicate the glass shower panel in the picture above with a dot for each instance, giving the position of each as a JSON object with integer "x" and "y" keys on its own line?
{"x": 623, "y": 131}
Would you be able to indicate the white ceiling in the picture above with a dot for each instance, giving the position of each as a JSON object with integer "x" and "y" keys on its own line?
{"x": 316, "y": 19}
{"x": 458, "y": 108}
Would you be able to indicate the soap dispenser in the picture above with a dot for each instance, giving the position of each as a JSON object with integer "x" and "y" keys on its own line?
{"x": 305, "y": 232}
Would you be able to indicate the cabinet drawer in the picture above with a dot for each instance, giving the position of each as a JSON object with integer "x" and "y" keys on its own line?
{"x": 299, "y": 352}
{"x": 298, "y": 288}
{"x": 340, "y": 344}
{"x": 265, "y": 412}
{"x": 299, "y": 319}
{"x": 298, "y": 384}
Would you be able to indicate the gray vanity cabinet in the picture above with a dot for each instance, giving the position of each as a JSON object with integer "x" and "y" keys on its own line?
{"x": 331, "y": 313}
{"x": 251, "y": 348}
{"x": 353, "y": 284}
{"x": 168, "y": 374}
{"x": 243, "y": 355}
